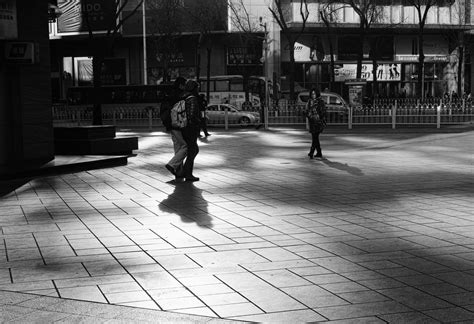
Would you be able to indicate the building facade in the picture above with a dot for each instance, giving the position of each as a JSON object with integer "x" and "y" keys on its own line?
{"x": 259, "y": 48}
{"x": 447, "y": 48}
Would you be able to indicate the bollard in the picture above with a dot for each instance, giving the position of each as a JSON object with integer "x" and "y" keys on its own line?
{"x": 226, "y": 118}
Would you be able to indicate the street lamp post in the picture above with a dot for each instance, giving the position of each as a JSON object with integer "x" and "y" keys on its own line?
{"x": 145, "y": 74}
{"x": 265, "y": 71}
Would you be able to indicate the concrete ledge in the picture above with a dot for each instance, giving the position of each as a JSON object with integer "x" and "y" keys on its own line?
{"x": 84, "y": 132}
{"x": 92, "y": 140}
{"x": 66, "y": 164}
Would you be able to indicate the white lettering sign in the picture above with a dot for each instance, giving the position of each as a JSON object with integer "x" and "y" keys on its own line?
{"x": 385, "y": 72}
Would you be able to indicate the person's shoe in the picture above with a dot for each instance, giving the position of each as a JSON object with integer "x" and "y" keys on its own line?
{"x": 171, "y": 169}
{"x": 319, "y": 155}
{"x": 192, "y": 178}
{"x": 310, "y": 155}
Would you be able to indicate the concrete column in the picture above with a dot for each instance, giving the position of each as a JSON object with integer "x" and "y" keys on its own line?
{"x": 25, "y": 94}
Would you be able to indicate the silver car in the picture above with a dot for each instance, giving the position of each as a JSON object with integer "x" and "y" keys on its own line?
{"x": 216, "y": 115}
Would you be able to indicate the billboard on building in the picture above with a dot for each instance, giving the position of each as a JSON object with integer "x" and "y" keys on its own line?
{"x": 8, "y": 19}
{"x": 78, "y": 16}
{"x": 385, "y": 72}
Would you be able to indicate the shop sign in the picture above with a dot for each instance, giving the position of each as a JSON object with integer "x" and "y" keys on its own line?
{"x": 385, "y": 72}
{"x": 80, "y": 15}
{"x": 176, "y": 58}
{"x": 428, "y": 58}
{"x": 304, "y": 53}
{"x": 21, "y": 52}
{"x": 242, "y": 56}
{"x": 8, "y": 19}
{"x": 356, "y": 93}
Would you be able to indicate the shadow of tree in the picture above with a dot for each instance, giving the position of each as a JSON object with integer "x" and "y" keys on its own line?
{"x": 343, "y": 167}
{"x": 187, "y": 201}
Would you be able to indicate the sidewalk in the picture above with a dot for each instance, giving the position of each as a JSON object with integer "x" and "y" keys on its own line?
{"x": 380, "y": 231}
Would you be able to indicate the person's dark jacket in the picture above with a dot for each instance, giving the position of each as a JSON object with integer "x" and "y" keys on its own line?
{"x": 316, "y": 113}
{"x": 193, "y": 110}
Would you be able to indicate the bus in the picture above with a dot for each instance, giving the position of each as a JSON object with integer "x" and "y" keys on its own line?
{"x": 230, "y": 89}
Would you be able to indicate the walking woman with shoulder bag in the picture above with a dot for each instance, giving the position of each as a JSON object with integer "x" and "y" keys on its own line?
{"x": 316, "y": 114}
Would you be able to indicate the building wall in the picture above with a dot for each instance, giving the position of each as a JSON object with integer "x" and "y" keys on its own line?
{"x": 25, "y": 100}
{"x": 449, "y": 14}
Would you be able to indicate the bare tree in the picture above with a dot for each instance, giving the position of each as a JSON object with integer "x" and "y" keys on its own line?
{"x": 103, "y": 46}
{"x": 456, "y": 38}
{"x": 249, "y": 32}
{"x": 281, "y": 12}
{"x": 328, "y": 15}
{"x": 422, "y": 8}
{"x": 165, "y": 27}
{"x": 207, "y": 17}
{"x": 369, "y": 12}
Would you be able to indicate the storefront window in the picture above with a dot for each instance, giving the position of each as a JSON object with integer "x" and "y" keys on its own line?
{"x": 347, "y": 48}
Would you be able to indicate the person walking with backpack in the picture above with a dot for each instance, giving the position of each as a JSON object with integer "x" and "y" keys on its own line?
{"x": 192, "y": 129}
{"x": 316, "y": 114}
{"x": 175, "y": 165}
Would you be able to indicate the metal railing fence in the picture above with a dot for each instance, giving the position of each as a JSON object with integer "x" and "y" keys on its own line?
{"x": 395, "y": 112}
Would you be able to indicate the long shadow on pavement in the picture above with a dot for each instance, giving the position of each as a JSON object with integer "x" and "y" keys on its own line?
{"x": 343, "y": 167}
{"x": 185, "y": 200}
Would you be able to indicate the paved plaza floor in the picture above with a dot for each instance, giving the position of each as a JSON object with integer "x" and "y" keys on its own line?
{"x": 379, "y": 231}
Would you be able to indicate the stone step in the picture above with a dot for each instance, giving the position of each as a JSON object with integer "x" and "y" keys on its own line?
{"x": 103, "y": 146}
{"x": 84, "y": 132}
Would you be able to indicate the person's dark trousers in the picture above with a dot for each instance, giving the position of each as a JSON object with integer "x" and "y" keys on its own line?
{"x": 315, "y": 144}
{"x": 190, "y": 135}
{"x": 204, "y": 126}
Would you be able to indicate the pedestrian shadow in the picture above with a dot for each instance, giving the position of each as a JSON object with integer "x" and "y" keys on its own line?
{"x": 187, "y": 201}
{"x": 343, "y": 167}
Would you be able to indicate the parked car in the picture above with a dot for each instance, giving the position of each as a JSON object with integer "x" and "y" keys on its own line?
{"x": 334, "y": 102}
{"x": 336, "y": 107}
{"x": 216, "y": 115}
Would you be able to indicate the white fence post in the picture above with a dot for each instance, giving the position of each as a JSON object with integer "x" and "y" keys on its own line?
{"x": 349, "y": 124}
{"x": 226, "y": 118}
{"x": 438, "y": 114}
{"x": 394, "y": 114}
{"x": 265, "y": 116}
{"x": 150, "y": 119}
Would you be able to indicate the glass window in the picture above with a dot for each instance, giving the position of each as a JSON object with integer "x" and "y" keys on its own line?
{"x": 236, "y": 85}
{"x": 222, "y": 85}
{"x": 347, "y": 47}
{"x": 213, "y": 108}
{"x": 334, "y": 100}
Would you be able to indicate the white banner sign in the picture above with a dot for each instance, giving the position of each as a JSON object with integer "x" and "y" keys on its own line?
{"x": 8, "y": 19}
{"x": 385, "y": 72}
